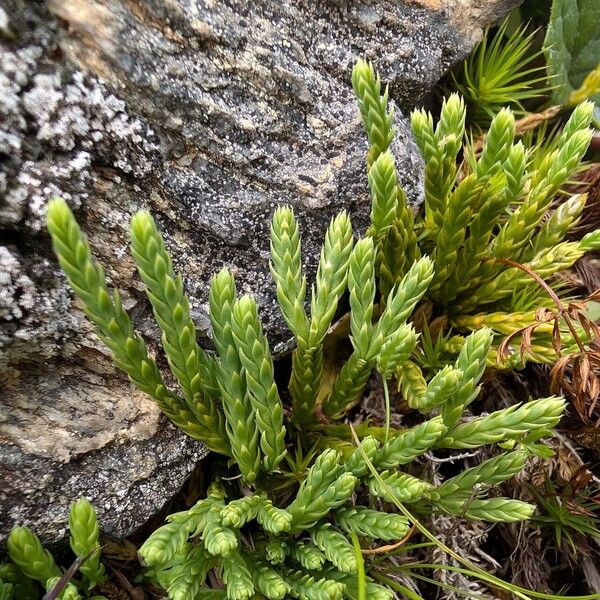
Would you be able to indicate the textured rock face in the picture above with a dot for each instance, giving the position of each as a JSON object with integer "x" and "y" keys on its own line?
{"x": 209, "y": 114}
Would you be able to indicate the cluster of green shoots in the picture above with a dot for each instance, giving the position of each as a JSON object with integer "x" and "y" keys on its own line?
{"x": 31, "y": 562}
{"x": 503, "y": 70}
{"x": 283, "y": 519}
{"x": 256, "y": 534}
{"x": 484, "y": 205}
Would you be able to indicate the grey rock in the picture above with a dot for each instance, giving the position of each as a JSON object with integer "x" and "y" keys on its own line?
{"x": 119, "y": 454}
{"x": 209, "y": 114}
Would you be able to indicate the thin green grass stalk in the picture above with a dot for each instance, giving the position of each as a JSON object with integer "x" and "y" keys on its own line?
{"x": 360, "y": 573}
{"x": 388, "y": 410}
{"x": 481, "y": 575}
{"x": 468, "y": 568}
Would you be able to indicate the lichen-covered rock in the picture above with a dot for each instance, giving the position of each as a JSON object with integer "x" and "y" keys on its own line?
{"x": 209, "y": 114}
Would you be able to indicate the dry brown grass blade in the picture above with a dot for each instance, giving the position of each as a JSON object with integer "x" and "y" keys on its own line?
{"x": 62, "y": 583}
{"x": 533, "y": 121}
{"x": 577, "y": 374}
{"x": 580, "y": 479}
{"x": 391, "y": 547}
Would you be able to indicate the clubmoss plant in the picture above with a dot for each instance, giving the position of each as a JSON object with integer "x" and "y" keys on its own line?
{"x": 31, "y": 562}
{"x": 263, "y": 533}
{"x": 492, "y": 208}
{"x": 283, "y": 526}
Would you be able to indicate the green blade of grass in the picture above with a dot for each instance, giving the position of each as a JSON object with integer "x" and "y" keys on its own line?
{"x": 468, "y": 569}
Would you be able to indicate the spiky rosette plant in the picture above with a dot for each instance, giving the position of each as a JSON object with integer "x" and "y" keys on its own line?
{"x": 260, "y": 531}
{"x": 487, "y": 223}
{"x": 32, "y": 564}
{"x": 501, "y": 71}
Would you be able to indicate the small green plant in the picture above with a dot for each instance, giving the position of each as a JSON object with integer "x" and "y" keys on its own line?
{"x": 500, "y": 72}
{"x": 568, "y": 513}
{"x": 31, "y": 562}
{"x": 479, "y": 218}
{"x": 241, "y": 530}
{"x": 283, "y": 526}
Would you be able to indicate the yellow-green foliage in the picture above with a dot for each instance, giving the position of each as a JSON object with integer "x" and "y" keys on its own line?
{"x": 260, "y": 531}
{"x": 31, "y": 562}
{"x": 496, "y": 208}
{"x": 240, "y": 379}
